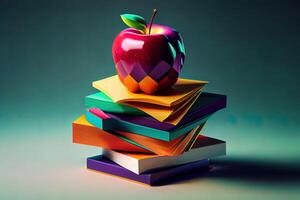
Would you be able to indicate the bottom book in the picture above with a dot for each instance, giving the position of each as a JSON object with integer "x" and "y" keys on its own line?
{"x": 154, "y": 177}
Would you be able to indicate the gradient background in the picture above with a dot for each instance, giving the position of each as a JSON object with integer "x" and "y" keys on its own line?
{"x": 51, "y": 51}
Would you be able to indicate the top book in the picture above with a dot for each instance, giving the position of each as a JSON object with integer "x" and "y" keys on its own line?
{"x": 181, "y": 91}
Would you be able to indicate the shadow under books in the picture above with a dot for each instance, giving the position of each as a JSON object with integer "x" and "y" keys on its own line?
{"x": 246, "y": 170}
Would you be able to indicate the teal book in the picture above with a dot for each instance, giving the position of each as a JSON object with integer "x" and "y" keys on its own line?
{"x": 206, "y": 105}
{"x": 111, "y": 123}
{"x": 103, "y": 102}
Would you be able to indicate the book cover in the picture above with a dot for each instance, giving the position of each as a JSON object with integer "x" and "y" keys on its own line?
{"x": 181, "y": 91}
{"x": 101, "y": 164}
{"x": 85, "y": 133}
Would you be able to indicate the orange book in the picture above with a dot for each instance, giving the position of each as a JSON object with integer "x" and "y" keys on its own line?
{"x": 86, "y": 133}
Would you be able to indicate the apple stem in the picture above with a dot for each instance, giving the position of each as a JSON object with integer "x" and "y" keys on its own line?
{"x": 151, "y": 20}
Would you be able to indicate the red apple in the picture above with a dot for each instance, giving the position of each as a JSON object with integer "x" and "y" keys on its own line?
{"x": 148, "y": 62}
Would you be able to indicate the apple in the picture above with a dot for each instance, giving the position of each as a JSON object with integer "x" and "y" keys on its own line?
{"x": 148, "y": 57}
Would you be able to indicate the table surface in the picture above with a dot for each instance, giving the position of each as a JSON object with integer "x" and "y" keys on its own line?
{"x": 43, "y": 163}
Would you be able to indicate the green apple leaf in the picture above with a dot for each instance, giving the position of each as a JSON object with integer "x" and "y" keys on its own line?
{"x": 134, "y": 21}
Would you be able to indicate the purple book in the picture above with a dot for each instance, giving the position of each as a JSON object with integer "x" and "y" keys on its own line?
{"x": 154, "y": 177}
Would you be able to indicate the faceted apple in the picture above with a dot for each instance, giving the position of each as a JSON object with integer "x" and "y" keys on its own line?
{"x": 147, "y": 61}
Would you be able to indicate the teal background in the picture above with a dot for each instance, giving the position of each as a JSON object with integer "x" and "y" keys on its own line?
{"x": 51, "y": 51}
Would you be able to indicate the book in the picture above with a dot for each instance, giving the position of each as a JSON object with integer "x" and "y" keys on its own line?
{"x": 108, "y": 122}
{"x": 156, "y": 177}
{"x": 87, "y": 134}
{"x": 169, "y": 106}
{"x": 171, "y": 115}
{"x": 204, "y": 106}
{"x": 181, "y": 91}
{"x": 203, "y": 148}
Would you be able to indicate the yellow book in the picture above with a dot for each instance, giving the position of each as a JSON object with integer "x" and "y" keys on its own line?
{"x": 183, "y": 89}
{"x": 167, "y": 106}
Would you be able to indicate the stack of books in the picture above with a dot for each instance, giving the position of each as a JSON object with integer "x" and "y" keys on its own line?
{"x": 149, "y": 138}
